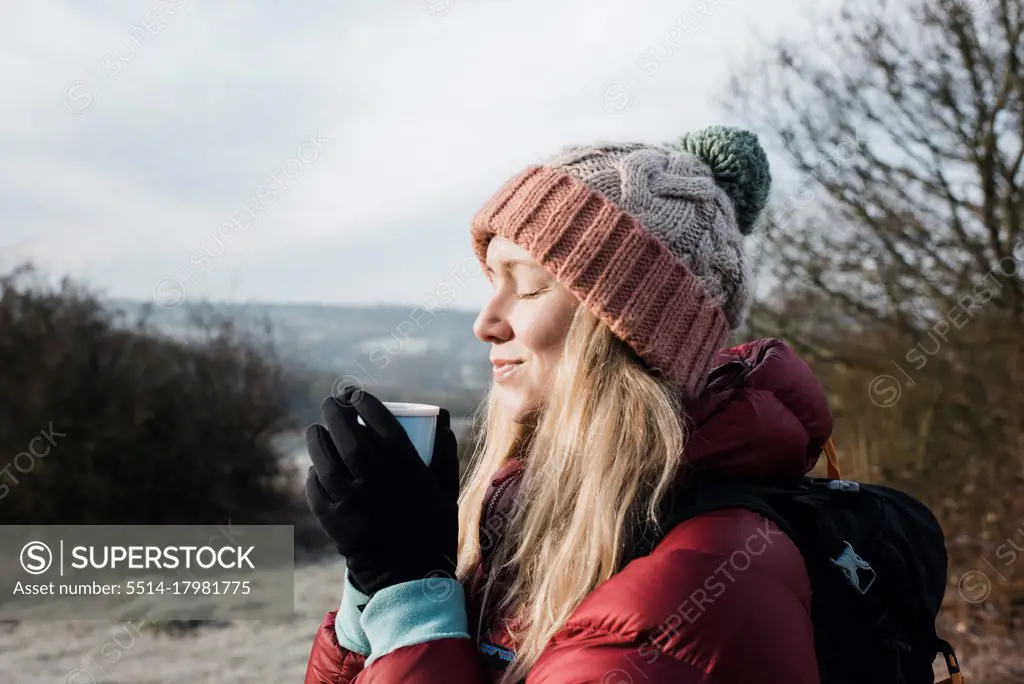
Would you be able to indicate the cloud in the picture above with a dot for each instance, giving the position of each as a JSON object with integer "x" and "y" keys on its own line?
{"x": 133, "y": 133}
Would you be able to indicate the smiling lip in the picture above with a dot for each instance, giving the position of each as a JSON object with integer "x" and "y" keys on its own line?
{"x": 503, "y": 370}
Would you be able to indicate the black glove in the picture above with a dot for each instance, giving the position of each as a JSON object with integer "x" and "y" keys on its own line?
{"x": 391, "y": 517}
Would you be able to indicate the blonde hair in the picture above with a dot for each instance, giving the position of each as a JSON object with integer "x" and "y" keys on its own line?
{"x": 601, "y": 455}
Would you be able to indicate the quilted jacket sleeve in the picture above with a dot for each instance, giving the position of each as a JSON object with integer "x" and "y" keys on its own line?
{"x": 329, "y": 662}
{"x": 417, "y": 632}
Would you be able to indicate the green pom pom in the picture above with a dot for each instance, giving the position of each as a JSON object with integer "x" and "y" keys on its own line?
{"x": 739, "y": 165}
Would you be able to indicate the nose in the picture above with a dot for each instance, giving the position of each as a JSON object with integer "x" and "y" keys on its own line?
{"x": 491, "y": 324}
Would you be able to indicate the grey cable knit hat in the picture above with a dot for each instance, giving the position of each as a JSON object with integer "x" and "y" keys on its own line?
{"x": 699, "y": 197}
{"x": 650, "y": 237}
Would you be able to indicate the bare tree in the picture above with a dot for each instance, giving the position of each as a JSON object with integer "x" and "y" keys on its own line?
{"x": 908, "y": 119}
{"x": 898, "y": 252}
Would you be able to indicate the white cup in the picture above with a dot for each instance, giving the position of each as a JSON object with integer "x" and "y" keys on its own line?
{"x": 420, "y": 423}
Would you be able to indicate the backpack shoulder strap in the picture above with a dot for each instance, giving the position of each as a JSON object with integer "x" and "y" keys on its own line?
{"x": 705, "y": 493}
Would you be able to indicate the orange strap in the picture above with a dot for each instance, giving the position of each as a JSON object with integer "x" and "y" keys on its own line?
{"x": 953, "y": 666}
{"x": 833, "y": 460}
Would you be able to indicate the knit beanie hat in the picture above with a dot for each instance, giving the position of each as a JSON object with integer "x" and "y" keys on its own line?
{"x": 649, "y": 237}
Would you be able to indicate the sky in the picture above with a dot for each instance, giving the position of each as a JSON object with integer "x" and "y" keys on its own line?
{"x": 318, "y": 151}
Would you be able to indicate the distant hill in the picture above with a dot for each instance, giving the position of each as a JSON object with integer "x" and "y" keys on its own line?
{"x": 396, "y": 352}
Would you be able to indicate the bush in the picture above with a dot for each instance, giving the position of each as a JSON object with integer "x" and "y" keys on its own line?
{"x": 103, "y": 421}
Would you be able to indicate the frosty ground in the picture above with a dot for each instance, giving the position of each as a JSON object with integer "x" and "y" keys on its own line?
{"x": 70, "y": 652}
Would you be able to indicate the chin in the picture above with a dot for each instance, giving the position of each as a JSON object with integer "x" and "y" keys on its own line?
{"x": 518, "y": 407}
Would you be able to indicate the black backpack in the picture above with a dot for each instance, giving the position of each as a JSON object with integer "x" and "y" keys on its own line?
{"x": 877, "y": 562}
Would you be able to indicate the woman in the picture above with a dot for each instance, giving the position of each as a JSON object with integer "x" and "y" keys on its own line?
{"x": 618, "y": 272}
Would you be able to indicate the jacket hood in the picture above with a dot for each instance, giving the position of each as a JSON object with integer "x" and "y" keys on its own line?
{"x": 762, "y": 413}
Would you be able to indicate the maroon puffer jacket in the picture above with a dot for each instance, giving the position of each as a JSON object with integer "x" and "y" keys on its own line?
{"x": 724, "y": 598}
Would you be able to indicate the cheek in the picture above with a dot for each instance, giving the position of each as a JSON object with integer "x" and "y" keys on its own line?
{"x": 544, "y": 333}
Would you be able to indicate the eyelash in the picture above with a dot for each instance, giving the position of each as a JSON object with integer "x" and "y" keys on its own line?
{"x": 525, "y": 295}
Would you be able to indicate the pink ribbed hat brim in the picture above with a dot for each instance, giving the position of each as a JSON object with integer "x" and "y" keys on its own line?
{"x": 622, "y": 273}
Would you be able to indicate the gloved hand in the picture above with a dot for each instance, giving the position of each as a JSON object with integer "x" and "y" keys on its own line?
{"x": 391, "y": 517}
